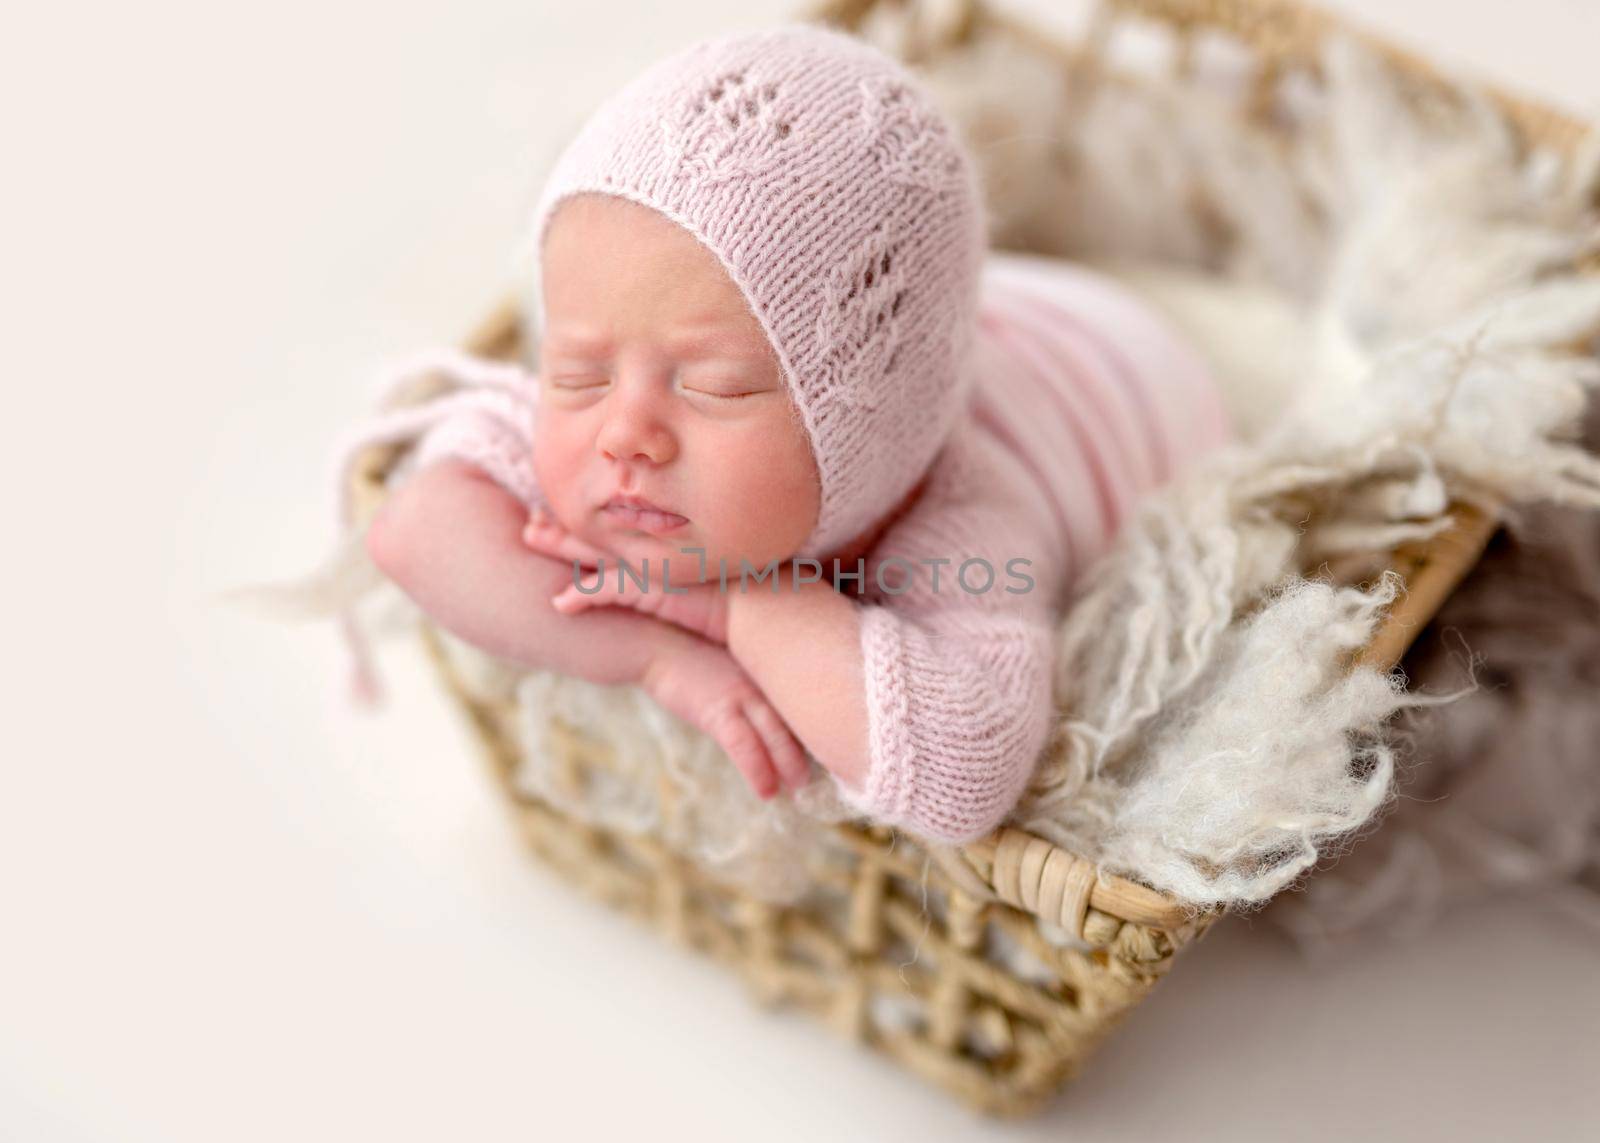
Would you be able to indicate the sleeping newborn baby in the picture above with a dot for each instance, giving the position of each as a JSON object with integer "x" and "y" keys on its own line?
{"x": 801, "y": 456}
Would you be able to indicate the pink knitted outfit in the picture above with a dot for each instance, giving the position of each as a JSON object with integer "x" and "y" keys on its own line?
{"x": 1039, "y": 400}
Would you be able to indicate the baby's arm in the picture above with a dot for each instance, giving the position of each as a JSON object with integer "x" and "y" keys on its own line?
{"x": 450, "y": 538}
{"x": 932, "y": 706}
{"x": 933, "y": 723}
{"x": 804, "y": 649}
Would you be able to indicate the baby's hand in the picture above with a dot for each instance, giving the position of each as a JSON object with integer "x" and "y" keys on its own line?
{"x": 701, "y": 608}
{"x": 544, "y": 534}
{"x": 705, "y": 686}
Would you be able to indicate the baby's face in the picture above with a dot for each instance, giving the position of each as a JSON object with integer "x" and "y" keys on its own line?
{"x": 656, "y": 381}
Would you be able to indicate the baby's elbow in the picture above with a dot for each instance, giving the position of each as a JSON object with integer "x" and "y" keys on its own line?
{"x": 958, "y": 826}
{"x": 399, "y": 528}
{"x": 385, "y": 541}
{"x": 974, "y": 796}
{"x": 392, "y": 535}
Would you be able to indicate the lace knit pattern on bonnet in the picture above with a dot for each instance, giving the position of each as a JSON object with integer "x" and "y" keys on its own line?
{"x": 841, "y": 202}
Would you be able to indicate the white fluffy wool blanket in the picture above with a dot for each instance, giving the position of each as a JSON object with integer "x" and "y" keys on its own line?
{"x": 1498, "y": 792}
{"x": 1209, "y": 743}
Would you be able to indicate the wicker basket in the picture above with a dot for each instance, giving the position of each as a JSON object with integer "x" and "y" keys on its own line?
{"x": 1037, "y": 1028}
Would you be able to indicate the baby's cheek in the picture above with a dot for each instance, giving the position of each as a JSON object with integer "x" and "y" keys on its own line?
{"x": 767, "y": 501}
{"x": 555, "y": 466}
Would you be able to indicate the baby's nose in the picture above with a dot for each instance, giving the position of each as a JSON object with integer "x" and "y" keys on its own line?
{"x": 636, "y": 433}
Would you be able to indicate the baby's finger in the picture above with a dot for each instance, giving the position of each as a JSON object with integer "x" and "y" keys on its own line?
{"x": 570, "y": 601}
{"x": 543, "y": 534}
{"x": 787, "y": 754}
{"x": 538, "y": 525}
{"x": 739, "y": 740}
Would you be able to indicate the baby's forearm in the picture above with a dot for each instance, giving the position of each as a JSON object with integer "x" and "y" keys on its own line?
{"x": 451, "y": 538}
{"x": 803, "y": 648}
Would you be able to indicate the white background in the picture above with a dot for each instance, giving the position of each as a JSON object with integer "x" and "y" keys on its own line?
{"x": 231, "y": 909}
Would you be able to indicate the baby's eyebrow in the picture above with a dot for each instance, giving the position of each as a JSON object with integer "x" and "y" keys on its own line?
{"x": 699, "y": 341}
{"x": 581, "y": 340}
{"x": 706, "y": 340}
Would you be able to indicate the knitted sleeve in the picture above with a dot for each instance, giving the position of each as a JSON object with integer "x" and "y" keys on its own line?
{"x": 958, "y": 677}
{"x": 959, "y": 710}
{"x": 492, "y": 429}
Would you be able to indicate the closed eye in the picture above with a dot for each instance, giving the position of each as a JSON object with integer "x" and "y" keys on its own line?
{"x": 723, "y": 388}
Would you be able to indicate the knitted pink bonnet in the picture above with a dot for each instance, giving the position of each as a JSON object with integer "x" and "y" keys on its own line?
{"x": 841, "y": 202}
